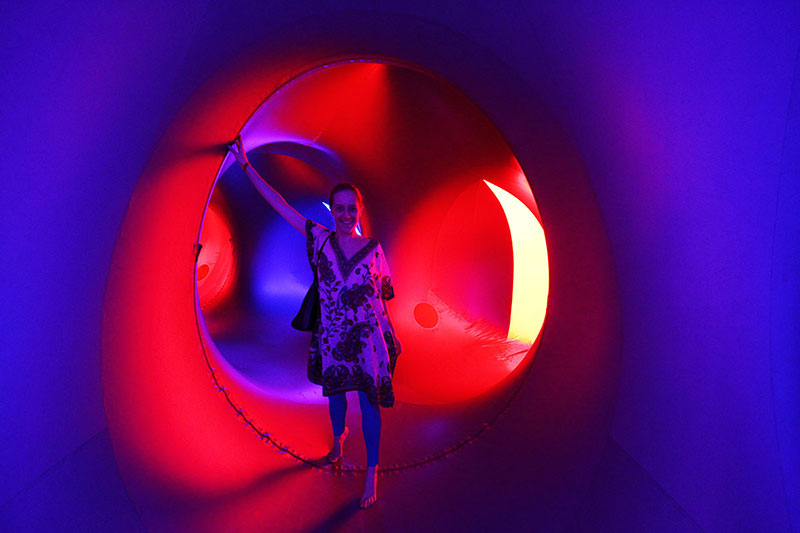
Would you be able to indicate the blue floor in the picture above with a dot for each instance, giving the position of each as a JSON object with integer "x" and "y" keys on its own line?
{"x": 84, "y": 492}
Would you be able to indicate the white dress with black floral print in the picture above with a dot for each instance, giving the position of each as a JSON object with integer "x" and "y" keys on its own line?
{"x": 354, "y": 346}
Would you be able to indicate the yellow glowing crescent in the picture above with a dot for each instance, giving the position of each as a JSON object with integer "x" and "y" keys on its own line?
{"x": 531, "y": 275}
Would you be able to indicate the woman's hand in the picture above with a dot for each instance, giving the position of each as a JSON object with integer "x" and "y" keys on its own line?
{"x": 272, "y": 196}
{"x": 238, "y": 151}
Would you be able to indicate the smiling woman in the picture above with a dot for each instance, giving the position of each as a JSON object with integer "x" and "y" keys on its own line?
{"x": 353, "y": 344}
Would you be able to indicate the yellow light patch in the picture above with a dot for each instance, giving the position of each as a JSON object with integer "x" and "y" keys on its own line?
{"x": 531, "y": 274}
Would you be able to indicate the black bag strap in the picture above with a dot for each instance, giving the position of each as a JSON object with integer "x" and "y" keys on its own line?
{"x": 316, "y": 263}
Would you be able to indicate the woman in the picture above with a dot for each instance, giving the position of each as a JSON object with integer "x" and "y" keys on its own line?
{"x": 353, "y": 348}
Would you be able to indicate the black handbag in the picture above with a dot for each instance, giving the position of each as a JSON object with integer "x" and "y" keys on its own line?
{"x": 309, "y": 313}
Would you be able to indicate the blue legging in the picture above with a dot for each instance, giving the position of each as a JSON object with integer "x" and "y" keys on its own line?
{"x": 370, "y": 422}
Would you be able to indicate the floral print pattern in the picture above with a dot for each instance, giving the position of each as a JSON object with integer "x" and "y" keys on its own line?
{"x": 387, "y": 291}
{"x": 357, "y": 296}
{"x": 325, "y": 269}
{"x": 354, "y": 346}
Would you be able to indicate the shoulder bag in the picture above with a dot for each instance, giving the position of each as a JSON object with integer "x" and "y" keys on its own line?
{"x": 309, "y": 314}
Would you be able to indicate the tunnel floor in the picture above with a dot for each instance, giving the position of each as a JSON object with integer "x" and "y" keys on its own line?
{"x": 85, "y": 492}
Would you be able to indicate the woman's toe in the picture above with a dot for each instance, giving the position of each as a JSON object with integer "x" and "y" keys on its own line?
{"x": 366, "y": 502}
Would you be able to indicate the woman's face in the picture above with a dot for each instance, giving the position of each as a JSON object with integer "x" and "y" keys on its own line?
{"x": 346, "y": 211}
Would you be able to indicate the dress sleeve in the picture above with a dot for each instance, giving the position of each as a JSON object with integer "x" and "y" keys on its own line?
{"x": 387, "y": 289}
{"x": 315, "y": 236}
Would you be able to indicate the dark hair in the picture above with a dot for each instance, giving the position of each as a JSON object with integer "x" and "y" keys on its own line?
{"x": 345, "y": 187}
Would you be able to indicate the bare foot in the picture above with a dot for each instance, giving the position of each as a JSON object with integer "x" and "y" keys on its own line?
{"x": 335, "y": 454}
{"x": 370, "y": 494}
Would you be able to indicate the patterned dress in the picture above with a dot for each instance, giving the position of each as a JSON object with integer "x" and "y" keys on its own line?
{"x": 354, "y": 347}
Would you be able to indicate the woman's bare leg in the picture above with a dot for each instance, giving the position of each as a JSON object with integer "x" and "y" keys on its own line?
{"x": 337, "y": 407}
{"x": 371, "y": 426}
{"x": 370, "y": 494}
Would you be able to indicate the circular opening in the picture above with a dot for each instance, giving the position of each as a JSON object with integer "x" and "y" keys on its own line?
{"x": 426, "y": 315}
{"x": 454, "y": 212}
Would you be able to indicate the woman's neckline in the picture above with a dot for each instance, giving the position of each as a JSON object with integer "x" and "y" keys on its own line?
{"x": 366, "y": 240}
{"x": 341, "y": 253}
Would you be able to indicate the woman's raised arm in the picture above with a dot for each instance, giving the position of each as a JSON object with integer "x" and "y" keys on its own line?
{"x": 272, "y": 196}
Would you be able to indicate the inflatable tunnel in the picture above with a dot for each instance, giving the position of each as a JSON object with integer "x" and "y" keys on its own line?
{"x": 590, "y": 216}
